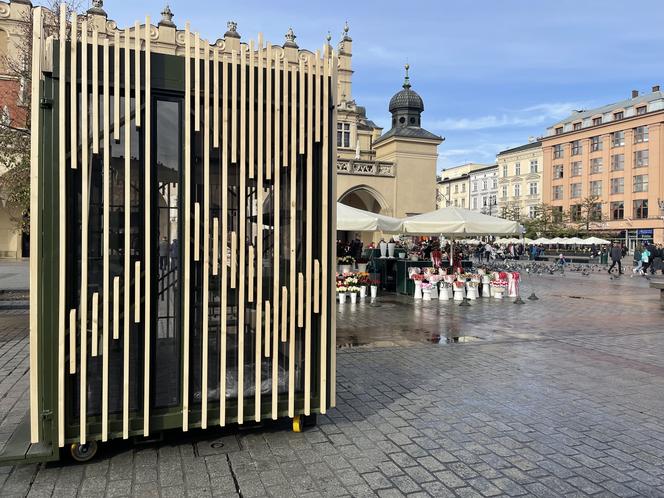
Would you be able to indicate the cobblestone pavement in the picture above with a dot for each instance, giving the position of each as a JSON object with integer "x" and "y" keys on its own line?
{"x": 559, "y": 397}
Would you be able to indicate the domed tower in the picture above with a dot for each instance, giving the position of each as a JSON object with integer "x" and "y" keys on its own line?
{"x": 406, "y": 106}
{"x": 413, "y": 151}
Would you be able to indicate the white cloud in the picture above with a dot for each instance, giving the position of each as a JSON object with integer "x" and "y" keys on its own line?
{"x": 543, "y": 114}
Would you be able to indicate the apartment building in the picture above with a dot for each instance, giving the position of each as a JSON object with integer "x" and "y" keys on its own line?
{"x": 614, "y": 152}
{"x": 454, "y": 186}
{"x": 484, "y": 190}
{"x": 520, "y": 179}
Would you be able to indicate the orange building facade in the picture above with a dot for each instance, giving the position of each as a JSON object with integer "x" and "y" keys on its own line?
{"x": 615, "y": 153}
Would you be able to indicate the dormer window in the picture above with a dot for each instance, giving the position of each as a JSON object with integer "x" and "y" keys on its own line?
{"x": 617, "y": 116}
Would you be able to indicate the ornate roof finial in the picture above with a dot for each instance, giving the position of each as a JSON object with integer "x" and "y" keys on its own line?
{"x": 97, "y": 8}
{"x": 232, "y": 30}
{"x": 328, "y": 37}
{"x": 406, "y": 81}
{"x": 167, "y": 17}
{"x": 346, "y": 36}
{"x": 290, "y": 39}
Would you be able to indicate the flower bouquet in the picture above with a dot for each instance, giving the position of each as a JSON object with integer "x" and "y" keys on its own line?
{"x": 427, "y": 287}
{"x": 341, "y": 292}
{"x": 353, "y": 291}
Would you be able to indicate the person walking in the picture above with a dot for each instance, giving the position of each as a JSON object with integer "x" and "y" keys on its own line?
{"x": 616, "y": 257}
{"x": 638, "y": 262}
{"x": 645, "y": 259}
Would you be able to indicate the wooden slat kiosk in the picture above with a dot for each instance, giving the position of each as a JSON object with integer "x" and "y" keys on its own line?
{"x": 182, "y": 224}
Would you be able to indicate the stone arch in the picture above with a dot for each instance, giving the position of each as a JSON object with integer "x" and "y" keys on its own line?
{"x": 366, "y": 198}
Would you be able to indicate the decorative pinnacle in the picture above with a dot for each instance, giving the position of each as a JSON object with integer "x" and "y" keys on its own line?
{"x": 346, "y": 36}
{"x": 97, "y": 8}
{"x": 406, "y": 81}
{"x": 328, "y": 37}
{"x": 232, "y": 30}
{"x": 167, "y": 17}
{"x": 290, "y": 39}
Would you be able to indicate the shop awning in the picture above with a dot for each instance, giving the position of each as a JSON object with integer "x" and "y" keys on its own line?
{"x": 353, "y": 219}
{"x": 452, "y": 221}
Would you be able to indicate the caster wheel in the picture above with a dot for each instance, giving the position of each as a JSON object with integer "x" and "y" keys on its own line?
{"x": 83, "y": 452}
{"x": 297, "y": 423}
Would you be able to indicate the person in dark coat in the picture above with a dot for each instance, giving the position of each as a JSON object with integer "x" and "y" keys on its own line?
{"x": 616, "y": 257}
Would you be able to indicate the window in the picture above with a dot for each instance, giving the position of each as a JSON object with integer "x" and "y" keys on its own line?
{"x": 474, "y": 186}
{"x": 640, "y": 209}
{"x": 595, "y": 143}
{"x": 575, "y": 212}
{"x": 595, "y": 212}
{"x": 485, "y": 185}
{"x": 559, "y": 130}
{"x": 557, "y": 212}
{"x": 577, "y": 148}
{"x": 534, "y": 166}
{"x": 463, "y": 187}
{"x": 641, "y": 158}
{"x": 557, "y": 192}
{"x": 618, "y": 115}
{"x": 640, "y": 183}
{"x": 617, "y": 210}
{"x": 618, "y": 162}
{"x": 494, "y": 184}
{"x": 618, "y": 185}
{"x": 504, "y": 191}
{"x": 618, "y": 139}
{"x": 558, "y": 171}
{"x": 596, "y": 164}
{"x": 517, "y": 169}
{"x": 532, "y": 212}
{"x": 597, "y": 121}
{"x": 577, "y": 126}
{"x": 504, "y": 170}
{"x": 456, "y": 202}
{"x": 343, "y": 134}
{"x": 557, "y": 151}
{"x": 474, "y": 202}
{"x": 517, "y": 190}
{"x": 532, "y": 188}
{"x": 447, "y": 189}
{"x": 463, "y": 202}
{"x": 456, "y": 188}
{"x": 575, "y": 190}
{"x": 640, "y": 134}
{"x": 596, "y": 187}
{"x": 577, "y": 168}
{"x": 484, "y": 201}
{"x": 640, "y": 111}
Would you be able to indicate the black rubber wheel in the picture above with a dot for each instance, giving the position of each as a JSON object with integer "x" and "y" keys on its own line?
{"x": 83, "y": 452}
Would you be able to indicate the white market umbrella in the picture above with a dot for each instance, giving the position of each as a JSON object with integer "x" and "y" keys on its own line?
{"x": 452, "y": 221}
{"x": 576, "y": 241}
{"x": 558, "y": 240}
{"x": 353, "y": 219}
{"x": 595, "y": 240}
{"x": 542, "y": 240}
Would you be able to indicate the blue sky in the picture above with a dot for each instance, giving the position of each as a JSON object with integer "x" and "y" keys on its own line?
{"x": 491, "y": 72}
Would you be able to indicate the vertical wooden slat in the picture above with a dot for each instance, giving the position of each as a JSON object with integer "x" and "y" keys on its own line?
{"x": 233, "y": 259}
{"x": 250, "y": 276}
{"x": 137, "y": 74}
{"x": 325, "y": 274}
{"x": 259, "y": 234}
{"x": 147, "y": 322}
{"x": 234, "y": 107}
{"x": 197, "y": 82}
{"x": 293, "y": 202}
{"x": 197, "y": 231}
{"x": 284, "y": 115}
{"x": 309, "y": 225}
{"x": 95, "y": 93}
{"x": 94, "y": 320}
{"x": 215, "y": 99}
{"x": 116, "y": 85}
{"x": 85, "y": 192}
{"x": 62, "y": 218}
{"x": 215, "y": 246}
{"x": 116, "y": 308}
{"x": 187, "y": 228}
{"x": 106, "y": 240}
{"x": 35, "y": 140}
{"x": 252, "y": 94}
{"x": 332, "y": 193}
{"x": 127, "y": 234}
{"x": 73, "y": 98}
{"x": 224, "y": 240}
{"x": 206, "y": 232}
{"x": 243, "y": 224}
{"x": 137, "y": 292}
{"x": 300, "y": 300}
{"x": 317, "y": 106}
{"x": 72, "y": 341}
{"x": 269, "y": 54}
{"x": 316, "y": 286}
{"x": 302, "y": 122}
{"x": 276, "y": 196}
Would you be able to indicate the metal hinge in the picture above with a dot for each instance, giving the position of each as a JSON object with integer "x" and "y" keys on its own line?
{"x": 47, "y": 414}
{"x": 45, "y": 103}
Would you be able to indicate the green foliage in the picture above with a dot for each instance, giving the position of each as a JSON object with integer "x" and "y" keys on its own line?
{"x": 15, "y": 181}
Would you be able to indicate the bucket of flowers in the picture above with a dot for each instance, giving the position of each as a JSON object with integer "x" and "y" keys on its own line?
{"x": 472, "y": 291}
{"x": 418, "y": 279}
{"x": 459, "y": 287}
{"x": 363, "y": 281}
{"x": 426, "y": 290}
{"x": 346, "y": 264}
{"x": 353, "y": 291}
{"x": 341, "y": 291}
{"x": 374, "y": 288}
{"x": 498, "y": 287}
{"x": 445, "y": 290}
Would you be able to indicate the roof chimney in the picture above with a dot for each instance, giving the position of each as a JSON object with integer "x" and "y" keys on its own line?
{"x": 635, "y": 93}
{"x": 655, "y": 88}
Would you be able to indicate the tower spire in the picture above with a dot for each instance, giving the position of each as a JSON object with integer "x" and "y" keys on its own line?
{"x": 406, "y": 81}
